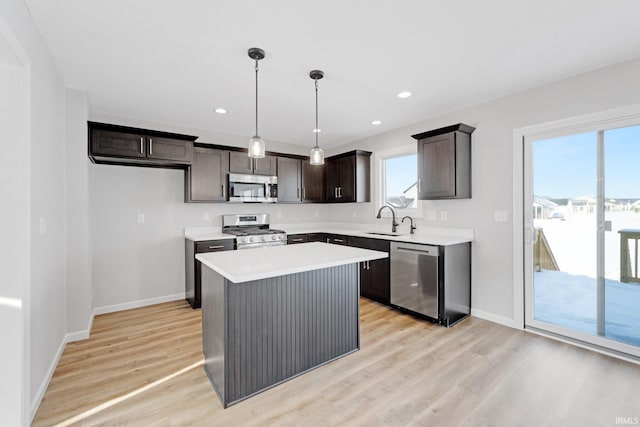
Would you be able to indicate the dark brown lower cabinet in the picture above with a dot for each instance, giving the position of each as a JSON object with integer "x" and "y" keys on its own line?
{"x": 193, "y": 268}
{"x": 374, "y": 275}
{"x": 337, "y": 239}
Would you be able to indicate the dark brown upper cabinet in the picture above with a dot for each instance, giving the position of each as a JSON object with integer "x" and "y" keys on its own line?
{"x": 240, "y": 162}
{"x": 312, "y": 182}
{"x": 347, "y": 177}
{"x": 289, "y": 180}
{"x": 444, "y": 163}
{"x": 206, "y": 179}
{"x": 113, "y": 144}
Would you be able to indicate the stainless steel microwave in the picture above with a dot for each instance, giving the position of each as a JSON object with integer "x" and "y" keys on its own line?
{"x": 253, "y": 188}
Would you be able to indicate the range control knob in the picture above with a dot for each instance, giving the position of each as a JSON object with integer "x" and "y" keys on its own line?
{"x": 273, "y": 237}
{"x": 263, "y": 238}
{"x": 253, "y": 238}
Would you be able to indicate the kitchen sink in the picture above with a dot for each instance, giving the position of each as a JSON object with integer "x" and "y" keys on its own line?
{"x": 382, "y": 233}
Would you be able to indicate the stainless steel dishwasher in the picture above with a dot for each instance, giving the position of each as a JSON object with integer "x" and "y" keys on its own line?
{"x": 415, "y": 278}
{"x": 433, "y": 281}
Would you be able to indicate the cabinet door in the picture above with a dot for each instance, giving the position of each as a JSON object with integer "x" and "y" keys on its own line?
{"x": 200, "y": 247}
{"x": 265, "y": 166}
{"x": 331, "y": 181}
{"x": 289, "y": 180}
{"x": 374, "y": 275}
{"x": 312, "y": 182}
{"x": 169, "y": 149}
{"x": 436, "y": 167}
{"x": 117, "y": 144}
{"x": 240, "y": 162}
{"x": 347, "y": 180}
{"x": 206, "y": 178}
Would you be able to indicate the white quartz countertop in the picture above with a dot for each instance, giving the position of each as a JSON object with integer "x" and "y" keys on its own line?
{"x": 202, "y": 234}
{"x": 262, "y": 263}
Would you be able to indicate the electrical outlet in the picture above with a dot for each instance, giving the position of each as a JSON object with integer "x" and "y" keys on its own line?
{"x": 431, "y": 215}
{"x": 443, "y": 215}
{"x": 205, "y": 216}
{"x": 354, "y": 213}
{"x": 140, "y": 218}
{"x": 279, "y": 214}
{"x": 43, "y": 225}
{"x": 501, "y": 216}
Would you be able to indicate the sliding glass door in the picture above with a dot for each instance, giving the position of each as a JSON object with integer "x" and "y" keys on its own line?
{"x": 582, "y": 230}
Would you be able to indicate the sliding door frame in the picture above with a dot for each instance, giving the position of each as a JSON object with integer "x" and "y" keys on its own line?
{"x": 522, "y": 218}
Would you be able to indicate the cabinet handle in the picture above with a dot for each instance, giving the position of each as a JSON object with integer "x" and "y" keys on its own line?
{"x": 304, "y": 193}
{"x": 222, "y": 190}
{"x": 298, "y": 193}
{"x": 419, "y": 185}
{"x": 297, "y": 240}
{"x": 339, "y": 192}
{"x": 141, "y": 145}
{"x": 338, "y": 240}
{"x": 216, "y": 247}
{"x": 150, "y": 146}
{"x": 335, "y": 192}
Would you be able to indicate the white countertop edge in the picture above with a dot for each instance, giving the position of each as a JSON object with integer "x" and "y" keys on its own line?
{"x": 299, "y": 266}
{"x": 199, "y": 234}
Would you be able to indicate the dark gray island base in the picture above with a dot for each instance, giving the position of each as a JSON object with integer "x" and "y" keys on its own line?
{"x": 260, "y": 333}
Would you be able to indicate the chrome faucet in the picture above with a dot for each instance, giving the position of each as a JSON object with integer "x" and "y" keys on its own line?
{"x": 394, "y": 224}
{"x": 413, "y": 227}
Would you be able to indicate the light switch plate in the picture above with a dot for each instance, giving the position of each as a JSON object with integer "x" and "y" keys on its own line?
{"x": 206, "y": 216}
{"x": 431, "y": 215}
{"x": 140, "y": 218}
{"x": 501, "y": 216}
{"x": 443, "y": 215}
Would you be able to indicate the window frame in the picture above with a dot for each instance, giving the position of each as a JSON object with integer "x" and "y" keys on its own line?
{"x": 380, "y": 179}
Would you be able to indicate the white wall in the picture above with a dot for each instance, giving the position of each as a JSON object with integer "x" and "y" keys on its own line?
{"x": 79, "y": 293}
{"x": 492, "y": 170}
{"x": 47, "y": 256}
{"x": 145, "y": 262}
{"x": 14, "y": 231}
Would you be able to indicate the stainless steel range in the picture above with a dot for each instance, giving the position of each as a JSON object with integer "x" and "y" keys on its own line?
{"x": 252, "y": 231}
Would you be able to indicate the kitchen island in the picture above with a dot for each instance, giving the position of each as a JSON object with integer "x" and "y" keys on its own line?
{"x": 270, "y": 314}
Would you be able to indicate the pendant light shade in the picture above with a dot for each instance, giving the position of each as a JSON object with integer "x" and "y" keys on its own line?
{"x": 316, "y": 156}
{"x": 256, "y": 144}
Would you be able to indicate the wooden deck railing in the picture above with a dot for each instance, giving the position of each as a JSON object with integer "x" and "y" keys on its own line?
{"x": 629, "y": 270}
{"x": 542, "y": 254}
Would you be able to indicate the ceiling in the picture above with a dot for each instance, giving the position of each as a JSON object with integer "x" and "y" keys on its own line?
{"x": 173, "y": 61}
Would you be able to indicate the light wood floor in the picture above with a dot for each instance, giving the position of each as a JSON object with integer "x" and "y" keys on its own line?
{"x": 143, "y": 367}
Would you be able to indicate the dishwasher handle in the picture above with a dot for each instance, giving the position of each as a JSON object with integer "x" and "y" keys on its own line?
{"x": 429, "y": 250}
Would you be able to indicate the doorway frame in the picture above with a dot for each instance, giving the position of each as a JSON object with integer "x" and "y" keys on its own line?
{"x": 24, "y": 184}
{"x": 613, "y": 118}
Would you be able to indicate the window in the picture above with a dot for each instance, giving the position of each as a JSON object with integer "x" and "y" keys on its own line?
{"x": 398, "y": 180}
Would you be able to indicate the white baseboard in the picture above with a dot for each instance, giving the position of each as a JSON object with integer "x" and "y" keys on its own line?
{"x": 505, "y": 321}
{"x": 84, "y": 334}
{"x": 137, "y": 304}
{"x": 35, "y": 403}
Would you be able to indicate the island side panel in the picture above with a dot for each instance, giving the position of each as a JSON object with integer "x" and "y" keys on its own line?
{"x": 281, "y": 327}
{"x": 213, "y": 329}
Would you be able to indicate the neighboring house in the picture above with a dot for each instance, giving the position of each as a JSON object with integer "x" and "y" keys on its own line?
{"x": 407, "y": 198}
{"x": 582, "y": 204}
{"x": 543, "y": 207}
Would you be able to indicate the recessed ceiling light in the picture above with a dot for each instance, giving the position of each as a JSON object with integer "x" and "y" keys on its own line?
{"x": 220, "y": 111}
{"x": 404, "y": 94}
{"x": 316, "y": 130}
{"x": 376, "y": 122}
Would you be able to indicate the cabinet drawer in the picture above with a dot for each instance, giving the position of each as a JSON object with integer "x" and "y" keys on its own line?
{"x": 215, "y": 245}
{"x": 337, "y": 239}
{"x": 366, "y": 243}
{"x": 297, "y": 238}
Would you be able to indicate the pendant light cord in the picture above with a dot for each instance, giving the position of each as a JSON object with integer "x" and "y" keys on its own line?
{"x": 256, "y": 97}
{"x": 317, "y": 130}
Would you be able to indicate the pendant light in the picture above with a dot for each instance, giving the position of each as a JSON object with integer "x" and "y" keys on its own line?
{"x": 256, "y": 144}
{"x": 317, "y": 153}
